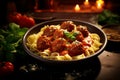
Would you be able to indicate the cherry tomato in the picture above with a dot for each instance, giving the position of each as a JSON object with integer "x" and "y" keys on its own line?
{"x": 30, "y": 22}
{"x": 14, "y": 17}
{"x": 26, "y": 21}
{"x": 22, "y": 20}
{"x": 6, "y": 68}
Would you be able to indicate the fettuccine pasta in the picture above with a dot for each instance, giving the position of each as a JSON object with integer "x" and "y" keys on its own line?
{"x": 65, "y": 41}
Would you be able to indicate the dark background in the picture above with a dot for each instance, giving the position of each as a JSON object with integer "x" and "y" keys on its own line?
{"x": 28, "y": 6}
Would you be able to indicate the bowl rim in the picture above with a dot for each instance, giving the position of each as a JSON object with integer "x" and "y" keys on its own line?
{"x": 74, "y": 20}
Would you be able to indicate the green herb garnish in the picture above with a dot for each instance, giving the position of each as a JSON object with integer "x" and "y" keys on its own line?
{"x": 70, "y": 35}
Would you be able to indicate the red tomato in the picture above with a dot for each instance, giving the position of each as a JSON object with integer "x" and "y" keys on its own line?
{"x": 31, "y": 22}
{"x": 22, "y": 20}
{"x": 6, "y": 68}
{"x": 14, "y": 17}
{"x": 26, "y": 21}
{"x": 19, "y": 14}
{"x": 18, "y": 17}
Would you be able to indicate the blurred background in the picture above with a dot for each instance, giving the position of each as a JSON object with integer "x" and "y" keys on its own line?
{"x": 7, "y": 6}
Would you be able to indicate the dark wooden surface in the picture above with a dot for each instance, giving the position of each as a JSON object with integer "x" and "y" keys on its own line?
{"x": 110, "y": 66}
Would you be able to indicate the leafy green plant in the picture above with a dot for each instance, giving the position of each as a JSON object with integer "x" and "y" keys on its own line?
{"x": 108, "y": 18}
{"x": 11, "y": 42}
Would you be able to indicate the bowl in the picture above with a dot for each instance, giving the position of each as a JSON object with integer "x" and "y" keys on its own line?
{"x": 92, "y": 28}
{"x": 113, "y": 34}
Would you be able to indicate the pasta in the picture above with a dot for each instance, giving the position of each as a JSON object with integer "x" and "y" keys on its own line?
{"x": 65, "y": 41}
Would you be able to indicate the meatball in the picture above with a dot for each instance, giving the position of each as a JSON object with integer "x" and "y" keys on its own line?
{"x": 43, "y": 43}
{"x": 58, "y": 45}
{"x": 58, "y": 34}
{"x": 80, "y": 37}
{"x": 83, "y": 30}
{"x": 69, "y": 25}
{"x": 49, "y": 31}
{"x": 76, "y": 48}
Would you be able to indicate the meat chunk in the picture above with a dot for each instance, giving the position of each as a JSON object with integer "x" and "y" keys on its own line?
{"x": 76, "y": 48}
{"x": 43, "y": 42}
{"x": 80, "y": 37}
{"x": 58, "y": 45}
{"x": 58, "y": 34}
{"x": 49, "y": 31}
{"x": 69, "y": 25}
{"x": 83, "y": 30}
